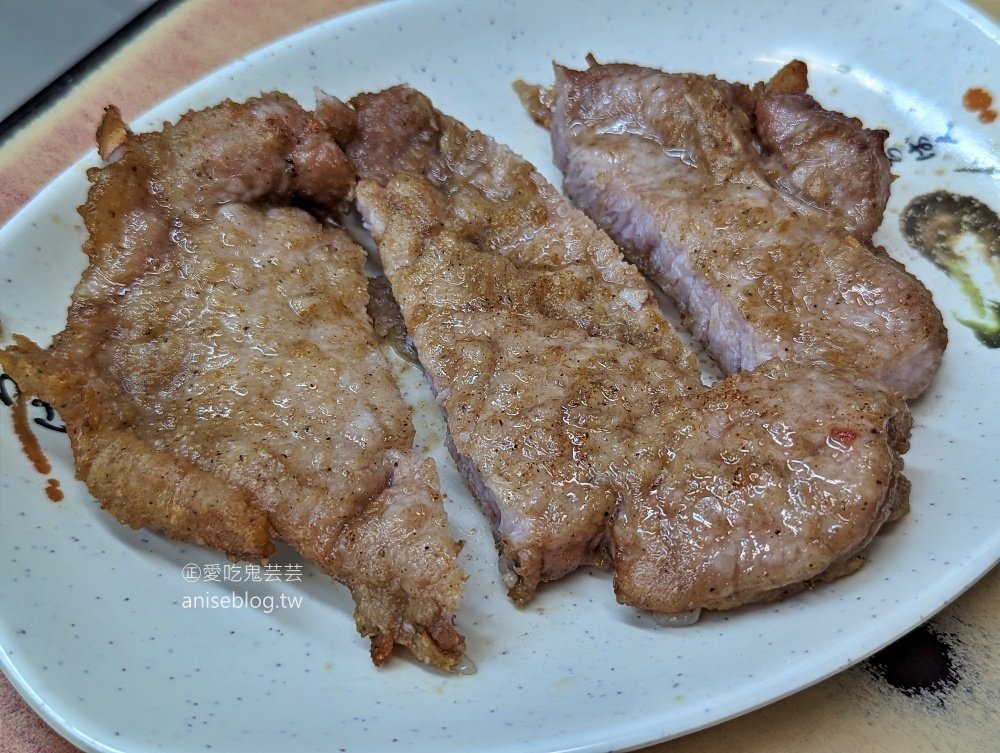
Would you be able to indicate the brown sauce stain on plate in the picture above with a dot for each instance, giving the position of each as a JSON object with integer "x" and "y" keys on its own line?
{"x": 53, "y": 491}
{"x": 977, "y": 99}
{"x": 29, "y": 442}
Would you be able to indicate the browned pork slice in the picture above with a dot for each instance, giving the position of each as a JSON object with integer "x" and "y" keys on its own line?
{"x": 220, "y": 378}
{"x": 502, "y": 203}
{"x": 558, "y": 270}
{"x": 767, "y": 482}
{"x": 754, "y": 210}
{"x": 567, "y": 412}
{"x": 520, "y": 388}
{"x": 710, "y": 497}
{"x": 824, "y": 158}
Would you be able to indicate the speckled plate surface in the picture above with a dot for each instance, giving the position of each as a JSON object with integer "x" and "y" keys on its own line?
{"x": 124, "y": 641}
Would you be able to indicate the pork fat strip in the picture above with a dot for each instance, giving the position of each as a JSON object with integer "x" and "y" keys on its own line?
{"x": 712, "y": 497}
{"x": 220, "y": 378}
{"x": 553, "y": 416}
{"x": 756, "y": 248}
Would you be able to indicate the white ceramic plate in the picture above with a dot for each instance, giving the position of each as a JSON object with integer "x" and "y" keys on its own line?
{"x": 93, "y": 624}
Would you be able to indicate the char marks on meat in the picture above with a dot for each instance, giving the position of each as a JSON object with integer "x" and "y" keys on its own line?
{"x": 575, "y": 415}
{"x": 754, "y": 209}
{"x": 220, "y": 378}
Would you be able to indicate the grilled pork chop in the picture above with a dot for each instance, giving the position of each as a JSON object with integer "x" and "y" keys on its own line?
{"x": 219, "y": 376}
{"x": 569, "y": 278}
{"x": 580, "y": 433}
{"x": 754, "y": 210}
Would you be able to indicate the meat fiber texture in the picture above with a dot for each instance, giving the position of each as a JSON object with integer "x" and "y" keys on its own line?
{"x": 574, "y": 412}
{"x": 754, "y": 210}
{"x": 219, "y": 376}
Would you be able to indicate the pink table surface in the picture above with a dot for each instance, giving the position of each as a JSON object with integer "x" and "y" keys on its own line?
{"x": 857, "y": 710}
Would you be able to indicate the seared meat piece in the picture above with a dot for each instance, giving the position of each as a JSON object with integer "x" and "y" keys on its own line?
{"x": 771, "y": 480}
{"x": 577, "y": 428}
{"x": 715, "y": 497}
{"x": 556, "y": 273}
{"x": 220, "y": 378}
{"x": 756, "y": 249}
{"x": 825, "y": 158}
{"x": 501, "y": 202}
{"x": 503, "y": 373}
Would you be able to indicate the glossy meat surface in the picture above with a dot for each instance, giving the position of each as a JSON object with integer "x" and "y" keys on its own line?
{"x": 828, "y": 160}
{"x": 499, "y": 201}
{"x": 554, "y": 275}
{"x": 773, "y": 480}
{"x": 583, "y": 440}
{"x": 521, "y": 390}
{"x": 760, "y": 236}
{"x": 220, "y": 377}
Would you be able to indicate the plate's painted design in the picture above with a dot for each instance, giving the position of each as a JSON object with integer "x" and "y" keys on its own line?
{"x": 958, "y": 234}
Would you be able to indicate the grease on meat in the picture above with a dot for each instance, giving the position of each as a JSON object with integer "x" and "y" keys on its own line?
{"x": 547, "y": 266}
{"x": 578, "y": 422}
{"x": 754, "y": 210}
{"x": 220, "y": 378}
